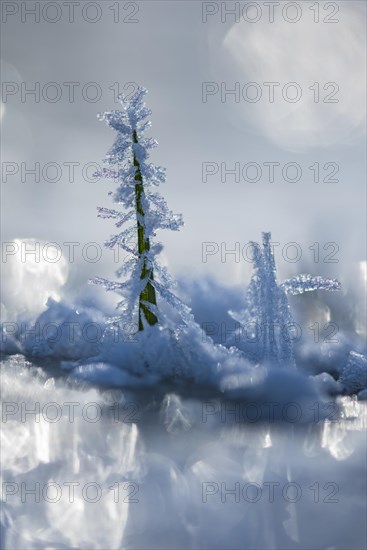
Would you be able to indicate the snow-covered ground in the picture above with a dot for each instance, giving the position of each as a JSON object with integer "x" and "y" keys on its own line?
{"x": 171, "y": 439}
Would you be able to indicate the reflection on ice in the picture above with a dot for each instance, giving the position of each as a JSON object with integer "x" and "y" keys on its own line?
{"x": 337, "y": 437}
{"x": 148, "y": 474}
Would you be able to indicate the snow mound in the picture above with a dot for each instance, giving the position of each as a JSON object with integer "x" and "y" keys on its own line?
{"x": 354, "y": 375}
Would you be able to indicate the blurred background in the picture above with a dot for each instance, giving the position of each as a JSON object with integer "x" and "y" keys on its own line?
{"x": 190, "y": 56}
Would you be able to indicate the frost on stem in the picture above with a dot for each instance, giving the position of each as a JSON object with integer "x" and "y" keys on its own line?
{"x": 145, "y": 212}
{"x": 267, "y": 318}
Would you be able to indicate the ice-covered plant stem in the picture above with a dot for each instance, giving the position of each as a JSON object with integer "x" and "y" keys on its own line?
{"x": 144, "y": 212}
{"x": 148, "y": 293}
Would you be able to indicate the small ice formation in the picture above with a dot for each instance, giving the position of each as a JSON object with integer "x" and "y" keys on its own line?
{"x": 267, "y": 317}
{"x": 354, "y": 375}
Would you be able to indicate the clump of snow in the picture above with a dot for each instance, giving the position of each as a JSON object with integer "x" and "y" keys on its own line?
{"x": 327, "y": 384}
{"x": 61, "y": 332}
{"x": 354, "y": 375}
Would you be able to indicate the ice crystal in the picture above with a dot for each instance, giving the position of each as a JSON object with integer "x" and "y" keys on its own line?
{"x": 267, "y": 320}
{"x": 307, "y": 283}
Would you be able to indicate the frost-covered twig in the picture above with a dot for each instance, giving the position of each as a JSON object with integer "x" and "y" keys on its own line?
{"x": 145, "y": 211}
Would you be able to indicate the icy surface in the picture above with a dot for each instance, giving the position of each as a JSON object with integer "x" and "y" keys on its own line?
{"x": 172, "y": 459}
